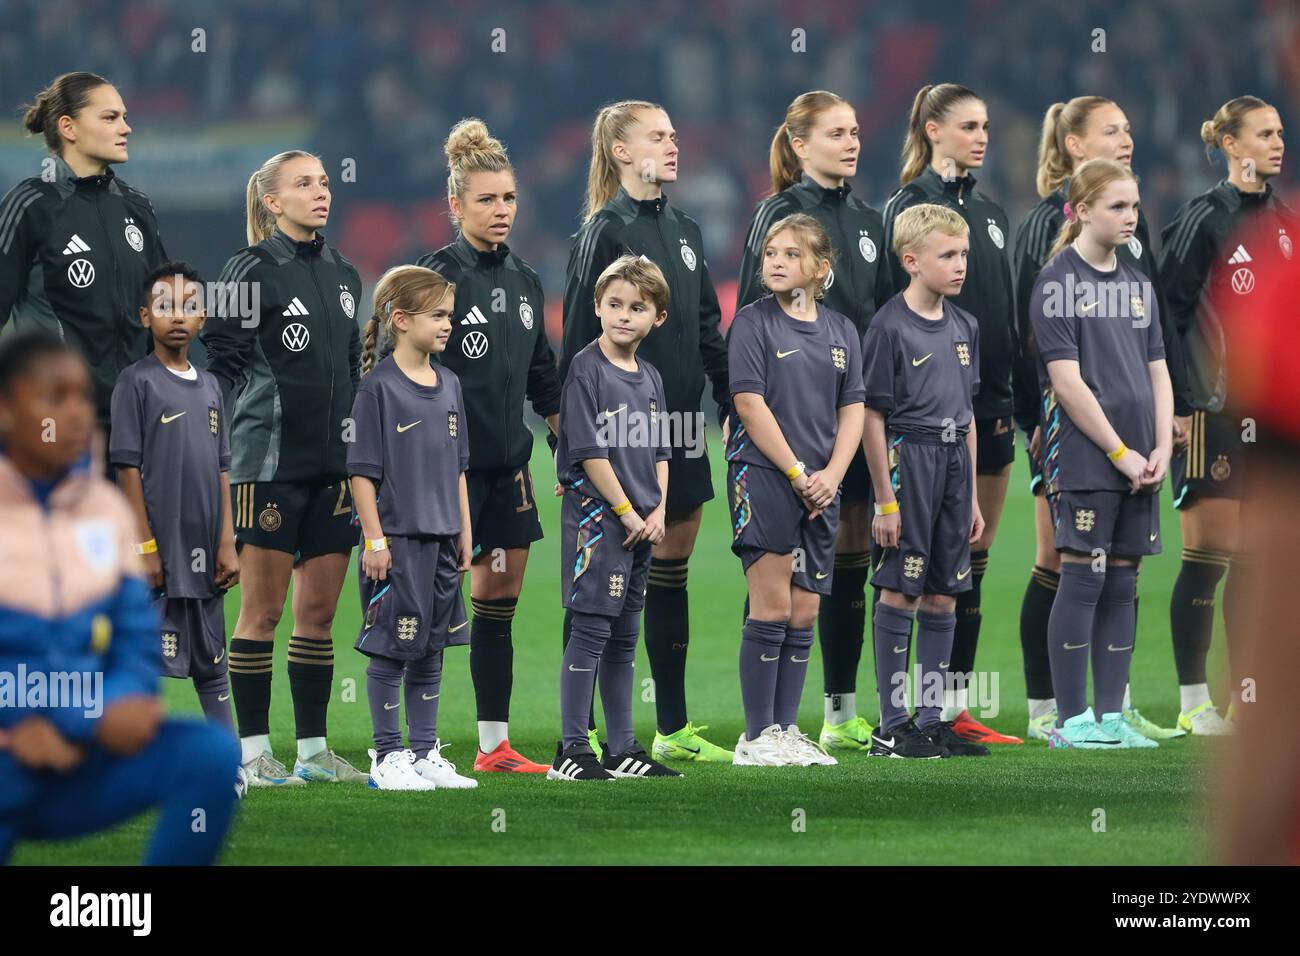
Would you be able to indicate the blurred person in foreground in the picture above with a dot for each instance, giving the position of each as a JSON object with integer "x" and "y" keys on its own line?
{"x": 1257, "y": 802}
{"x": 84, "y": 743}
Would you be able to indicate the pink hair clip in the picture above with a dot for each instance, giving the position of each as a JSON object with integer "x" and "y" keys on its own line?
{"x": 1069, "y": 212}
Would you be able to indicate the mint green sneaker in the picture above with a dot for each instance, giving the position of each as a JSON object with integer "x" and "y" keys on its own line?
{"x": 1149, "y": 729}
{"x": 853, "y": 734}
{"x": 1082, "y": 732}
{"x": 687, "y": 744}
{"x": 328, "y": 767}
{"x": 1130, "y": 739}
{"x": 1040, "y": 728}
{"x": 593, "y": 737}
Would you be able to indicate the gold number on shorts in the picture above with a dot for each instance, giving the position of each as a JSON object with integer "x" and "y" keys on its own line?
{"x": 523, "y": 492}
{"x": 340, "y": 508}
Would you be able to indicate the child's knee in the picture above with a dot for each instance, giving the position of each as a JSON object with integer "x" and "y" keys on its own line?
{"x": 938, "y": 604}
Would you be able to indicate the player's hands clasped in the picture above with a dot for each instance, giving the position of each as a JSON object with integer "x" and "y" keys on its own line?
{"x": 655, "y": 525}
{"x": 227, "y": 575}
{"x": 634, "y": 525}
{"x": 1132, "y": 466}
{"x": 36, "y": 743}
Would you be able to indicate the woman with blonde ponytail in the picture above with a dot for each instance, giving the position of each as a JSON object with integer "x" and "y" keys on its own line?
{"x": 1211, "y": 252}
{"x": 1087, "y": 127}
{"x": 947, "y": 138}
{"x": 1108, "y": 408}
{"x": 500, "y": 353}
{"x": 814, "y": 153}
{"x": 634, "y": 154}
{"x": 285, "y": 347}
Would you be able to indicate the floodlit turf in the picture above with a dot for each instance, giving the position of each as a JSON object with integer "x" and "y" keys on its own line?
{"x": 1023, "y": 805}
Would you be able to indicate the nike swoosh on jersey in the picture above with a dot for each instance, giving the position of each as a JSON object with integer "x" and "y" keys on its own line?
{"x": 921, "y": 361}
{"x": 171, "y": 418}
{"x": 1090, "y": 306}
{"x": 780, "y": 354}
{"x": 609, "y": 414}
{"x": 401, "y": 428}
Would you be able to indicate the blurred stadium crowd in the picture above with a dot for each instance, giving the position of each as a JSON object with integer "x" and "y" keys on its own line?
{"x": 382, "y": 81}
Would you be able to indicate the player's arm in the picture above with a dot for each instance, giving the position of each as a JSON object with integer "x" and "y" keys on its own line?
{"x": 229, "y": 337}
{"x": 543, "y": 386}
{"x": 1162, "y": 389}
{"x": 976, "y": 516}
{"x": 126, "y": 443}
{"x": 713, "y": 350}
{"x": 227, "y": 556}
{"x": 17, "y": 254}
{"x": 365, "y": 474}
{"x": 594, "y": 247}
{"x": 466, "y": 528}
{"x": 1086, "y": 412}
{"x": 132, "y": 486}
{"x": 601, "y": 475}
{"x": 884, "y": 528}
{"x": 656, "y": 521}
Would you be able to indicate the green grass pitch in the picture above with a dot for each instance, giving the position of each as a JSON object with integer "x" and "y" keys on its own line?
{"x": 1024, "y": 805}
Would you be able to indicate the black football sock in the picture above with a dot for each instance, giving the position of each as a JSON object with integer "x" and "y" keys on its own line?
{"x": 1035, "y": 612}
{"x": 667, "y": 635}
{"x": 1234, "y": 629}
{"x": 250, "y": 684}
{"x": 492, "y": 656}
{"x": 841, "y": 621}
{"x": 311, "y": 677}
{"x": 966, "y": 637}
{"x": 1191, "y": 611}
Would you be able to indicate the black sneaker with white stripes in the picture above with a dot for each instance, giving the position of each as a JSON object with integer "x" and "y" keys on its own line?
{"x": 634, "y": 762}
{"x": 577, "y": 763}
{"x": 905, "y": 740}
{"x": 942, "y": 735}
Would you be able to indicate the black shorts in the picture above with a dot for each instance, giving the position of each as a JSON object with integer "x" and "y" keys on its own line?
{"x": 305, "y": 519}
{"x": 419, "y": 608}
{"x": 1213, "y": 464}
{"x": 1113, "y": 522}
{"x": 857, "y": 480}
{"x": 767, "y": 517}
{"x": 932, "y": 484}
{"x": 995, "y": 444}
{"x": 502, "y": 508}
{"x": 597, "y": 574}
{"x": 690, "y": 480}
{"x": 193, "y": 636}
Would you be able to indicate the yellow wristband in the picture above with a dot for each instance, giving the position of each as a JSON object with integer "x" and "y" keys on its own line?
{"x": 795, "y": 470}
{"x": 624, "y": 508}
{"x": 376, "y": 544}
{"x": 1119, "y": 452}
{"x": 147, "y": 547}
{"x": 887, "y": 509}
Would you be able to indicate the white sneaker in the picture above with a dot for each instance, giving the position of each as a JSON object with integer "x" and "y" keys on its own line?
{"x": 767, "y": 750}
{"x": 441, "y": 772}
{"x": 1204, "y": 721}
{"x": 396, "y": 772}
{"x": 265, "y": 771}
{"x": 803, "y": 750}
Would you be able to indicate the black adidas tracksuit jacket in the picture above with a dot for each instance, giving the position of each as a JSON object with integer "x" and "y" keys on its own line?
{"x": 498, "y": 348}
{"x": 74, "y": 254}
{"x": 293, "y": 366}
{"x": 987, "y": 292}
{"x": 1029, "y": 254}
{"x": 686, "y": 347}
{"x": 1201, "y": 262}
{"x": 860, "y": 280}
